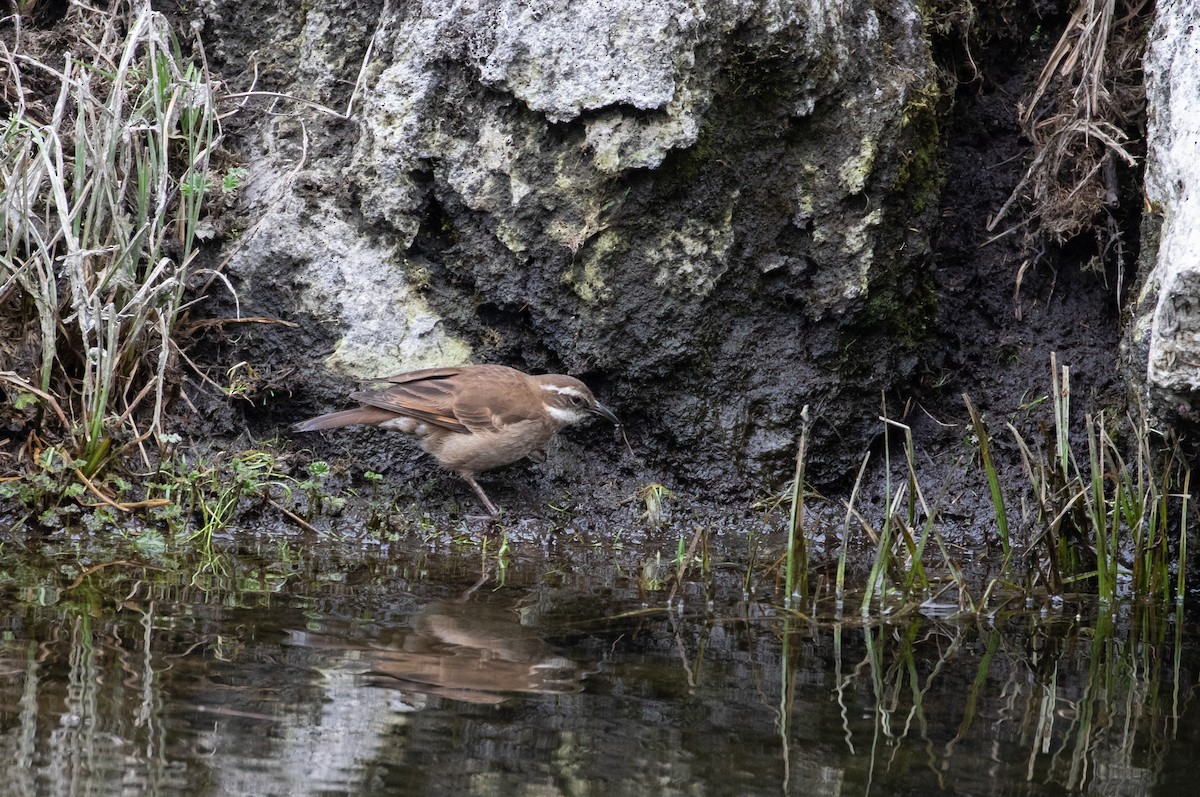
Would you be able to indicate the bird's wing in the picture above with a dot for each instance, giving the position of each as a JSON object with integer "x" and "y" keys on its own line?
{"x": 429, "y": 399}
{"x": 425, "y": 373}
{"x": 479, "y": 398}
{"x": 501, "y": 402}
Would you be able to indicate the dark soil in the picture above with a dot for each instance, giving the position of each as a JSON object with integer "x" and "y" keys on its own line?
{"x": 995, "y": 330}
{"x": 996, "y": 327}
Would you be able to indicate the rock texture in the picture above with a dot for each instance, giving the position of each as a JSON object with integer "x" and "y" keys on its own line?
{"x": 715, "y": 212}
{"x": 1166, "y": 331}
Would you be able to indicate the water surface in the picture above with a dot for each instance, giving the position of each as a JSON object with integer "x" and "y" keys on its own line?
{"x": 325, "y": 667}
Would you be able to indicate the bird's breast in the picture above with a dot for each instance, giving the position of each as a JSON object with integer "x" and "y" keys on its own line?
{"x": 485, "y": 449}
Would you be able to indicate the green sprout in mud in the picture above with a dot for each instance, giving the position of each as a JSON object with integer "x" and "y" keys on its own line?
{"x": 242, "y": 380}
{"x": 377, "y": 510}
{"x": 314, "y": 486}
{"x": 195, "y": 185}
{"x": 614, "y": 542}
{"x": 655, "y": 497}
{"x": 100, "y": 519}
{"x": 680, "y": 555}
{"x": 232, "y": 179}
{"x": 501, "y": 558}
{"x": 50, "y": 489}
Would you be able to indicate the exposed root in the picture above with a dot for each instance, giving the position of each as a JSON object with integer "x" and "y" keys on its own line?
{"x": 1090, "y": 94}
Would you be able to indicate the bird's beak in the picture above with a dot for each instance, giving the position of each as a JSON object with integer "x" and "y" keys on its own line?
{"x": 604, "y": 412}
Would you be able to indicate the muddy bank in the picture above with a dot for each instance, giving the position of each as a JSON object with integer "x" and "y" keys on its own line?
{"x": 992, "y": 336}
{"x": 318, "y": 284}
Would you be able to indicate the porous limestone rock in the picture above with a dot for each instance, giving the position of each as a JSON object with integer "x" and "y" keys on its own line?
{"x": 716, "y": 211}
{"x": 1166, "y": 330}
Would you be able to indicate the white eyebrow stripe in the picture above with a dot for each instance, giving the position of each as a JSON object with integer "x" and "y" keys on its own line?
{"x": 563, "y": 389}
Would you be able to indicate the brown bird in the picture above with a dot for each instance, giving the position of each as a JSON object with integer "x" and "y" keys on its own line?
{"x": 474, "y": 417}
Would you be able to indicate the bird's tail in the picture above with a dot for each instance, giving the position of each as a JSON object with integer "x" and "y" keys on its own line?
{"x": 354, "y": 417}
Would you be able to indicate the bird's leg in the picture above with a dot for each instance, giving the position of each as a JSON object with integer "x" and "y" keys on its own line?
{"x": 491, "y": 508}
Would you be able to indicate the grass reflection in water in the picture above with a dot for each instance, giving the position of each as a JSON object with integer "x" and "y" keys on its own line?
{"x": 363, "y": 673}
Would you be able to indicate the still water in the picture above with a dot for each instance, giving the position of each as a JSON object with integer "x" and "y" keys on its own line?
{"x": 328, "y": 667}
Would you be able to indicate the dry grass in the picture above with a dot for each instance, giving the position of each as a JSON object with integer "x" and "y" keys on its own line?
{"x": 105, "y": 160}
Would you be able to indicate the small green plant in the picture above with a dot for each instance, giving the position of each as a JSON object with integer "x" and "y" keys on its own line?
{"x": 232, "y": 179}
{"x": 314, "y": 487}
{"x": 796, "y": 572}
{"x": 50, "y": 489}
{"x": 214, "y": 491}
{"x": 993, "y": 479}
{"x": 680, "y": 560}
{"x": 377, "y": 509}
{"x": 501, "y": 560}
{"x": 655, "y": 497}
{"x": 241, "y": 380}
{"x": 616, "y": 542}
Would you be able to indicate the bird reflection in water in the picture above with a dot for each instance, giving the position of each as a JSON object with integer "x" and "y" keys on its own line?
{"x": 461, "y": 650}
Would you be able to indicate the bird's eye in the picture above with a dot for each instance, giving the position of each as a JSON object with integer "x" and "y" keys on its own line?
{"x": 576, "y": 400}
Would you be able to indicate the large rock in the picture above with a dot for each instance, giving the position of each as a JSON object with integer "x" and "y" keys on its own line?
{"x": 715, "y": 212}
{"x": 1166, "y": 330}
